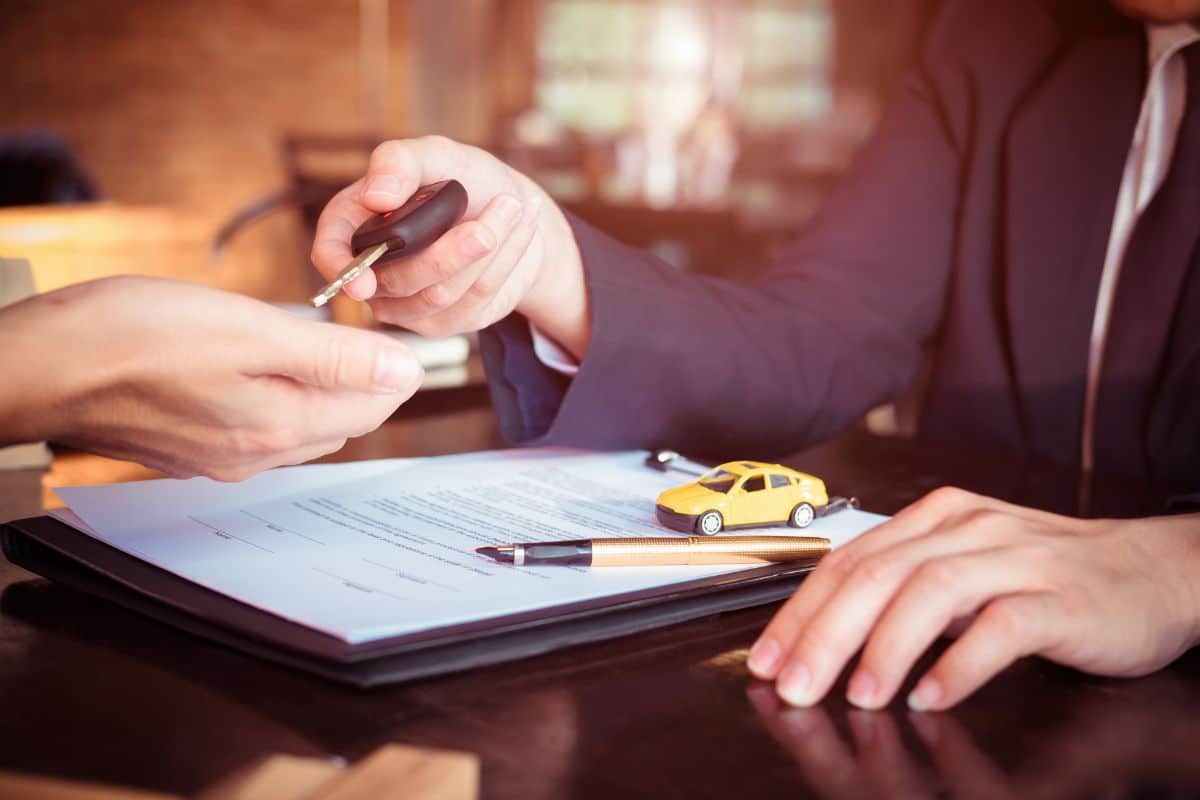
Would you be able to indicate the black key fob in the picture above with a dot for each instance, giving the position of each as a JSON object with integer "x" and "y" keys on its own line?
{"x": 420, "y": 222}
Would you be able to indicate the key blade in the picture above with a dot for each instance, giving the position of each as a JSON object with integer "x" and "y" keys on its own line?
{"x": 360, "y": 264}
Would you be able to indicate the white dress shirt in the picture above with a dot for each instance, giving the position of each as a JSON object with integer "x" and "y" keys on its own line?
{"x": 551, "y": 354}
{"x": 1146, "y": 167}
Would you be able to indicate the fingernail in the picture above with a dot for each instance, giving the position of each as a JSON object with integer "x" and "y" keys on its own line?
{"x": 925, "y": 696}
{"x": 764, "y": 656}
{"x": 508, "y": 208}
{"x": 793, "y": 685}
{"x": 388, "y": 185}
{"x": 477, "y": 245}
{"x": 395, "y": 370}
{"x": 861, "y": 691}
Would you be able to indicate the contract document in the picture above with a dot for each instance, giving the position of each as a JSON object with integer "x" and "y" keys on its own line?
{"x": 370, "y": 551}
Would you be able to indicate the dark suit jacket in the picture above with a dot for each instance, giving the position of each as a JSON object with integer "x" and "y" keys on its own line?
{"x": 973, "y": 227}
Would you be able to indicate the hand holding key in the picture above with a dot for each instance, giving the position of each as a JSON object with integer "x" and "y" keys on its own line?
{"x": 513, "y": 249}
{"x": 406, "y": 230}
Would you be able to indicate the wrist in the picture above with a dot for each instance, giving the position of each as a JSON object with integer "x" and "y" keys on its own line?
{"x": 49, "y": 370}
{"x": 26, "y": 407}
{"x": 557, "y": 302}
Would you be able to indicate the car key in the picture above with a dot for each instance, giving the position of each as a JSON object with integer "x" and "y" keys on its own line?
{"x": 412, "y": 227}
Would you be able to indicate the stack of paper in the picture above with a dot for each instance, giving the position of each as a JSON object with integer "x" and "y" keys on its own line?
{"x": 372, "y": 550}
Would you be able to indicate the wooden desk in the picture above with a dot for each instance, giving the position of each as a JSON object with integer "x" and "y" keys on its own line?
{"x": 89, "y": 691}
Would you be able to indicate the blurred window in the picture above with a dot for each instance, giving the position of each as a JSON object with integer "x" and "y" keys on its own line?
{"x": 605, "y": 65}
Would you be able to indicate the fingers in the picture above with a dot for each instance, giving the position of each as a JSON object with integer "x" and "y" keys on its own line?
{"x": 331, "y": 243}
{"x": 824, "y": 641}
{"x": 341, "y": 358}
{"x": 466, "y": 301}
{"x": 1007, "y": 629}
{"x": 939, "y": 591}
{"x": 831, "y": 616}
{"x": 297, "y": 423}
{"x": 766, "y": 654}
{"x": 779, "y": 638}
{"x": 469, "y": 244}
{"x": 399, "y": 167}
{"x": 315, "y": 385}
{"x": 347, "y": 415}
{"x": 396, "y": 170}
{"x": 934, "y": 510}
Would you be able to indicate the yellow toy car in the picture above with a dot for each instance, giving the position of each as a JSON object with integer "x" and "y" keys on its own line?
{"x": 743, "y": 494}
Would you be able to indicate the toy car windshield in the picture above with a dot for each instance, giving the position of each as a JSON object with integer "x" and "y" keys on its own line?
{"x": 719, "y": 480}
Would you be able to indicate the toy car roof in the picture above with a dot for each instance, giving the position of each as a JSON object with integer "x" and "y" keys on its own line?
{"x": 755, "y": 467}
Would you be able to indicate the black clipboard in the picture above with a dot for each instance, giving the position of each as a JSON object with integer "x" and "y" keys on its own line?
{"x": 57, "y": 551}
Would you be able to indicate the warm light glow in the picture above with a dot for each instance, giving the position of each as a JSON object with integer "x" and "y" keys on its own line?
{"x": 679, "y": 44}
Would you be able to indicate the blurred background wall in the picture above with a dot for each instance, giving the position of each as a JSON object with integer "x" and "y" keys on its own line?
{"x": 182, "y": 103}
{"x": 666, "y": 121}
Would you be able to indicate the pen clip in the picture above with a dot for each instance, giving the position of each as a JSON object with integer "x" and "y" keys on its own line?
{"x": 671, "y": 461}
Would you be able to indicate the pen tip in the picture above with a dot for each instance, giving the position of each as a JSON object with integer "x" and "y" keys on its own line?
{"x": 495, "y": 553}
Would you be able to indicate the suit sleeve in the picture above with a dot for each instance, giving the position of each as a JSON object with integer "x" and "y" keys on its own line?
{"x": 724, "y": 368}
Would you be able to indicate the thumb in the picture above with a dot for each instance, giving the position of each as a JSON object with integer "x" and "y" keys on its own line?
{"x": 338, "y": 357}
{"x": 396, "y": 170}
{"x": 399, "y": 167}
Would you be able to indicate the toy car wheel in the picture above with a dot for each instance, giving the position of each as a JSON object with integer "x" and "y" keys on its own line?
{"x": 710, "y": 523}
{"x": 802, "y": 516}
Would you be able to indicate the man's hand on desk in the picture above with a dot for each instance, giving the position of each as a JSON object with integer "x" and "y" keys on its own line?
{"x": 190, "y": 380}
{"x": 1110, "y": 597}
{"x": 513, "y": 251}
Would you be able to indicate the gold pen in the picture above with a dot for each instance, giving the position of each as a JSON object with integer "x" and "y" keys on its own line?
{"x": 661, "y": 551}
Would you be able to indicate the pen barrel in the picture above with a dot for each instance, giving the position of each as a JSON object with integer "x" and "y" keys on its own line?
{"x": 708, "y": 550}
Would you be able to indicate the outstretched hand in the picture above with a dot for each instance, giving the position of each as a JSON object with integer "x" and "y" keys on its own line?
{"x": 190, "y": 380}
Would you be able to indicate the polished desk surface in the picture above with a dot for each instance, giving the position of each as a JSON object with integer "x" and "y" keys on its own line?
{"x": 92, "y": 692}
